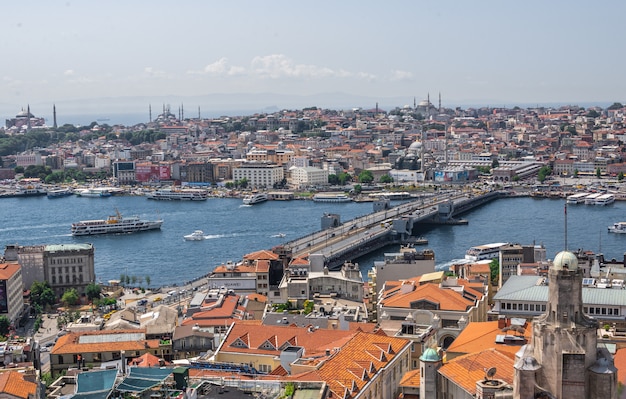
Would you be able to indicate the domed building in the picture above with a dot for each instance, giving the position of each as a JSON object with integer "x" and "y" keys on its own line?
{"x": 24, "y": 120}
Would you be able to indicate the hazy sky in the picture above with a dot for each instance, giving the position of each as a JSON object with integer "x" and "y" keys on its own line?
{"x": 489, "y": 52}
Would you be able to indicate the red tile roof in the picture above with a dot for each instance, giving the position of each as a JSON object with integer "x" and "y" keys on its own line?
{"x": 465, "y": 371}
{"x": 14, "y": 384}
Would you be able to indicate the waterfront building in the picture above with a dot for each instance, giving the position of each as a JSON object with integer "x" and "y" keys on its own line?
{"x": 258, "y": 174}
{"x": 11, "y": 291}
{"x": 197, "y": 172}
{"x": 125, "y": 172}
{"x": 68, "y": 266}
{"x": 305, "y": 177}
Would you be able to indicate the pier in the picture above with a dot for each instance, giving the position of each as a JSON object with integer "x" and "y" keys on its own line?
{"x": 340, "y": 241}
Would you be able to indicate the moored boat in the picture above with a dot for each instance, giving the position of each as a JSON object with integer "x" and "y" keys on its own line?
{"x": 94, "y": 192}
{"x": 605, "y": 199}
{"x": 114, "y": 224}
{"x": 169, "y": 194}
{"x": 331, "y": 197}
{"x": 60, "y": 192}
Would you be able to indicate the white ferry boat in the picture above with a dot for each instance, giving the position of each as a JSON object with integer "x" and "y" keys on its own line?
{"x": 482, "y": 252}
{"x": 114, "y": 224}
{"x": 577, "y": 198}
{"x": 256, "y": 198}
{"x": 187, "y": 194}
{"x": 591, "y": 198}
{"x": 60, "y": 192}
{"x": 618, "y": 227}
{"x": 605, "y": 199}
{"x": 331, "y": 197}
{"x": 94, "y": 192}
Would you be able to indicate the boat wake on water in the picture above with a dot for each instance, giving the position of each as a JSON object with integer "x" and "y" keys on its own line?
{"x": 446, "y": 265}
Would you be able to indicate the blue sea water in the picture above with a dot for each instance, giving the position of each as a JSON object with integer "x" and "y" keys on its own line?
{"x": 234, "y": 230}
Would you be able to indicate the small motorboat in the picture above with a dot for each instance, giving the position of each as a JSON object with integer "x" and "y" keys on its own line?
{"x": 279, "y": 235}
{"x": 421, "y": 241}
{"x": 197, "y": 235}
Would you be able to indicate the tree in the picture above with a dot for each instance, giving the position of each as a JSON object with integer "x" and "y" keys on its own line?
{"x": 4, "y": 326}
{"x": 386, "y": 179}
{"x": 543, "y": 173}
{"x": 366, "y": 177}
{"x": 494, "y": 267}
{"x": 93, "y": 291}
{"x": 616, "y": 106}
{"x": 598, "y": 173}
{"x": 358, "y": 189}
{"x": 620, "y": 176}
{"x": 575, "y": 172}
{"x": 495, "y": 163}
{"x": 148, "y": 281}
{"x": 333, "y": 179}
{"x": 344, "y": 177}
{"x": 42, "y": 295}
{"x": 70, "y": 297}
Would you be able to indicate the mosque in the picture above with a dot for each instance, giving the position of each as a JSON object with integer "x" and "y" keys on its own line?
{"x": 24, "y": 120}
{"x": 562, "y": 360}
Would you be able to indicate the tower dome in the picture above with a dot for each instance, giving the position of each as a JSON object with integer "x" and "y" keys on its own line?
{"x": 430, "y": 355}
{"x": 565, "y": 260}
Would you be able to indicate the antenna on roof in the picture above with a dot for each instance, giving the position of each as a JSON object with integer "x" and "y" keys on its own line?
{"x": 489, "y": 373}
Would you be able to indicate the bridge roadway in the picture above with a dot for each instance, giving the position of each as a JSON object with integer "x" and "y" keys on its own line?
{"x": 364, "y": 234}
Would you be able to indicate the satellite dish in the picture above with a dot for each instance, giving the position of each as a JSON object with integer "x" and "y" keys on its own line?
{"x": 490, "y": 372}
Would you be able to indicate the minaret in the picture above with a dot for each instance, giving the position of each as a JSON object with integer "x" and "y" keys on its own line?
{"x": 414, "y": 104}
{"x": 182, "y": 111}
{"x": 199, "y": 118}
{"x": 54, "y": 116}
{"x": 428, "y": 107}
{"x": 28, "y": 118}
{"x": 149, "y": 112}
{"x": 439, "y": 103}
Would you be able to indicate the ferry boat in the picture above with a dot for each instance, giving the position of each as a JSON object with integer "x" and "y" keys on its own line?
{"x": 114, "y": 224}
{"x": 605, "y": 199}
{"x": 187, "y": 194}
{"x": 482, "y": 252}
{"x": 60, "y": 192}
{"x": 256, "y": 198}
{"x": 331, "y": 197}
{"x": 618, "y": 227}
{"x": 94, "y": 192}
{"x": 577, "y": 198}
{"x": 591, "y": 198}
{"x": 197, "y": 235}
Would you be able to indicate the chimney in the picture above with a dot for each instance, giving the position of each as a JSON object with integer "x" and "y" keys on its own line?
{"x": 502, "y": 321}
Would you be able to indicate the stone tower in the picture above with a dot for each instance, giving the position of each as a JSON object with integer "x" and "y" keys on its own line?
{"x": 563, "y": 360}
{"x": 429, "y": 364}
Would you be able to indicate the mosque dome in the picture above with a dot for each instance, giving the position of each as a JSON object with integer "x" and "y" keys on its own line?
{"x": 565, "y": 260}
{"x": 415, "y": 146}
{"x": 423, "y": 103}
{"x": 430, "y": 355}
{"x": 24, "y": 114}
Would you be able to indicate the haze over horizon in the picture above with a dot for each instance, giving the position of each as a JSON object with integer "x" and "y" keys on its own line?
{"x": 117, "y": 57}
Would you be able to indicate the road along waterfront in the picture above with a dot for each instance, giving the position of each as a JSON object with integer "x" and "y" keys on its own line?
{"x": 234, "y": 230}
